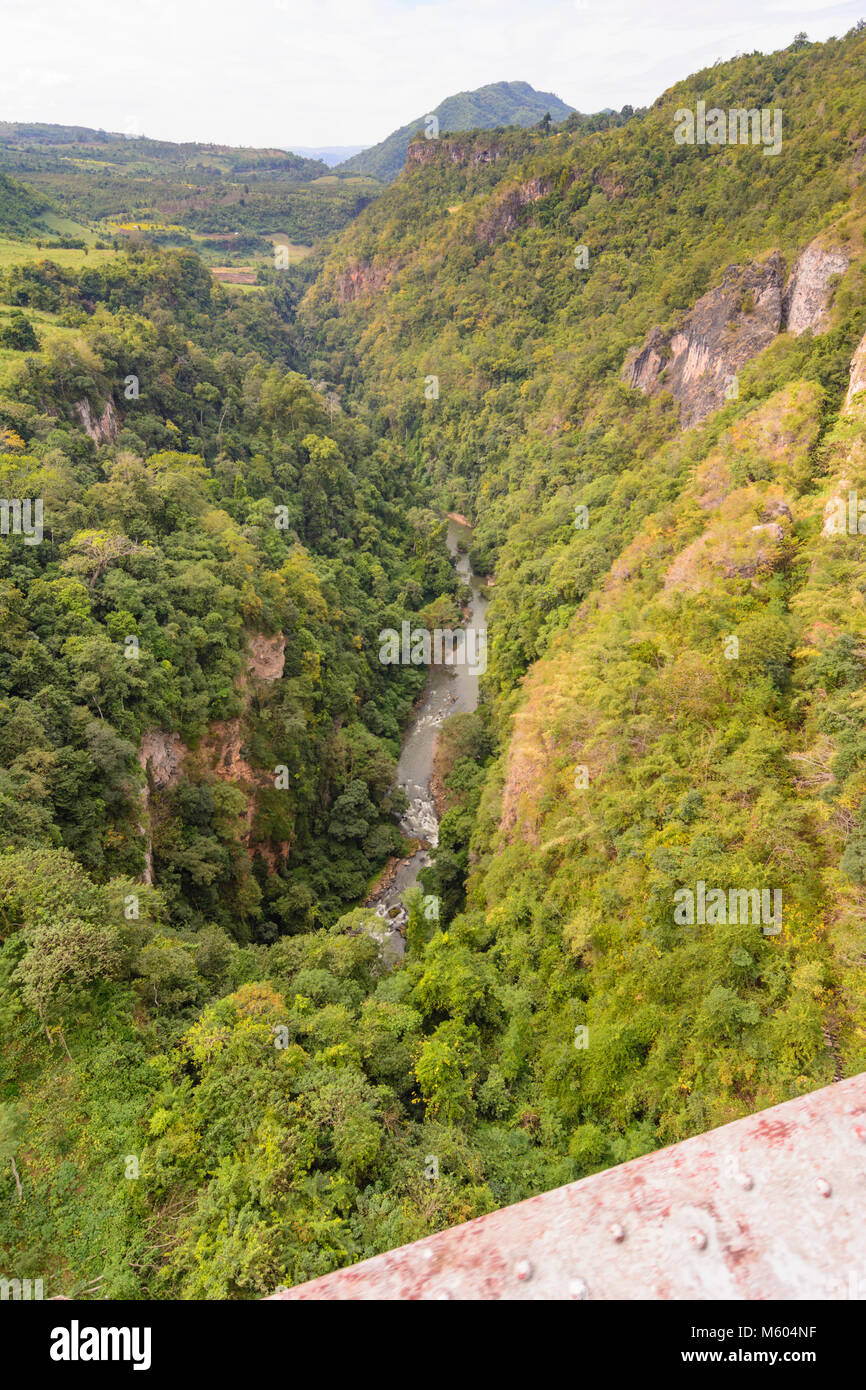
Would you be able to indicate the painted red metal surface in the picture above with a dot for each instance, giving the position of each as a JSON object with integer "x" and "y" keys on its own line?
{"x": 769, "y": 1207}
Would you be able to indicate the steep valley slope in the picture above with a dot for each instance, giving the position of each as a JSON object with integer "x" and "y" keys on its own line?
{"x": 647, "y": 359}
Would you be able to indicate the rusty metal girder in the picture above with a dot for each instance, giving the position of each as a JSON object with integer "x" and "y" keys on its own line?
{"x": 769, "y": 1207}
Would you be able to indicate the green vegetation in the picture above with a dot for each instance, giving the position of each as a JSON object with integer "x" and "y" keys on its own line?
{"x": 18, "y": 333}
{"x": 119, "y": 184}
{"x": 21, "y": 209}
{"x": 214, "y": 1083}
{"x": 220, "y": 504}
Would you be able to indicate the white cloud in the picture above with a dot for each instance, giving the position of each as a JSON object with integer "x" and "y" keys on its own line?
{"x": 349, "y": 71}
{"x": 43, "y": 78}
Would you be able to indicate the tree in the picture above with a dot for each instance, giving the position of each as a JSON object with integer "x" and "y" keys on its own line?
{"x": 352, "y": 812}
{"x": 446, "y": 1070}
{"x": 93, "y": 551}
{"x": 70, "y": 927}
{"x": 63, "y": 956}
{"x": 19, "y": 333}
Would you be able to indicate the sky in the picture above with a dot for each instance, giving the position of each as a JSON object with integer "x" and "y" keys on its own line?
{"x": 348, "y": 72}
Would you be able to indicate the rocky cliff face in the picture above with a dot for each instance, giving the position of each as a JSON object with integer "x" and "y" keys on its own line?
{"x": 477, "y": 151}
{"x": 611, "y": 185}
{"x": 105, "y": 428}
{"x": 361, "y": 278}
{"x": 266, "y": 658}
{"x": 807, "y": 293}
{"x": 160, "y": 758}
{"x": 162, "y": 754}
{"x": 858, "y": 373}
{"x": 504, "y": 217}
{"x": 699, "y": 360}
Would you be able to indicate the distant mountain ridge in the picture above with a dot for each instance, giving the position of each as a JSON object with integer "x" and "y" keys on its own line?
{"x": 497, "y": 104}
{"x": 328, "y": 154}
{"x": 27, "y": 144}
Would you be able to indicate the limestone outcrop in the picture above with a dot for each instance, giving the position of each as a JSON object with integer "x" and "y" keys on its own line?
{"x": 807, "y": 294}
{"x": 728, "y": 326}
{"x": 857, "y": 381}
{"x": 698, "y": 361}
{"x": 103, "y": 429}
{"x": 503, "y": 219}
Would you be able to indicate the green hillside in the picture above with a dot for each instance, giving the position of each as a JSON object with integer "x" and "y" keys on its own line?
{"x": 43, "y": 147}
{"x": 117, "y": 182}
{"x": 21, "y": 210}
{"x": 497, "y": 104}
{"x": 608, "y": 640}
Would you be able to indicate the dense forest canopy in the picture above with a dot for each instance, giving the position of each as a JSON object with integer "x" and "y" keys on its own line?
{"x": 215, "y": 1083}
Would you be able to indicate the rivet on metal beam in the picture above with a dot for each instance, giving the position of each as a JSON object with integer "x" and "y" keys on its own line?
{"x": 523, "y": 1270}
{"x": 577, "y": 1289}
{"x": 616, "y": 1231}
{"x": 860, "y": 1133}
{"x": 745, "y": 1179}
{"x": 822, "y": 1186}
{"x": 698, "y": 1239}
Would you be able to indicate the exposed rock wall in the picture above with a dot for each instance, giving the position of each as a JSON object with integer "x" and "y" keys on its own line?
{"x": 611, "y": 186}
{"x": 725, "y": 329}
{"x": 162, "y": 754}
{"x": 478, "y": 151}
{"x": 505, "y": 215}
{"x": 267, "y": 656}
{"x": 103, "y": 430}
{"x": 807, "y": 293}
{"x": 698, "y": 361}
{"x": 160, "y": 757}
{"x": 362, "y": 278}
{"x": 858, "y": 373}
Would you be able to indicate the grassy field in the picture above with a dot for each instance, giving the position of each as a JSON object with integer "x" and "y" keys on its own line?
{"x": 60, "y": 226}
{"x": 234, "y": 288}
{"x": 47, "y": 330}
{"x": 14, "y": 252}
{"x": 358, "y": 181}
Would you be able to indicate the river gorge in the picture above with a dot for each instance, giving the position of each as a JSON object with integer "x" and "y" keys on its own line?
{"x": 451, "y": 689}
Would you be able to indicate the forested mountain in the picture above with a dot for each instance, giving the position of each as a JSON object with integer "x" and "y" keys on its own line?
{"x": 498, "y": 104}
{"x": 650, "y": 360}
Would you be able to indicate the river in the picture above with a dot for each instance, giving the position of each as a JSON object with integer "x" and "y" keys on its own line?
{"x": 451, "y": 689}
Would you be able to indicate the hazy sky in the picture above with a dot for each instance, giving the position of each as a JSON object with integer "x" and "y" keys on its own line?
{"x": 318, "y": 72}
